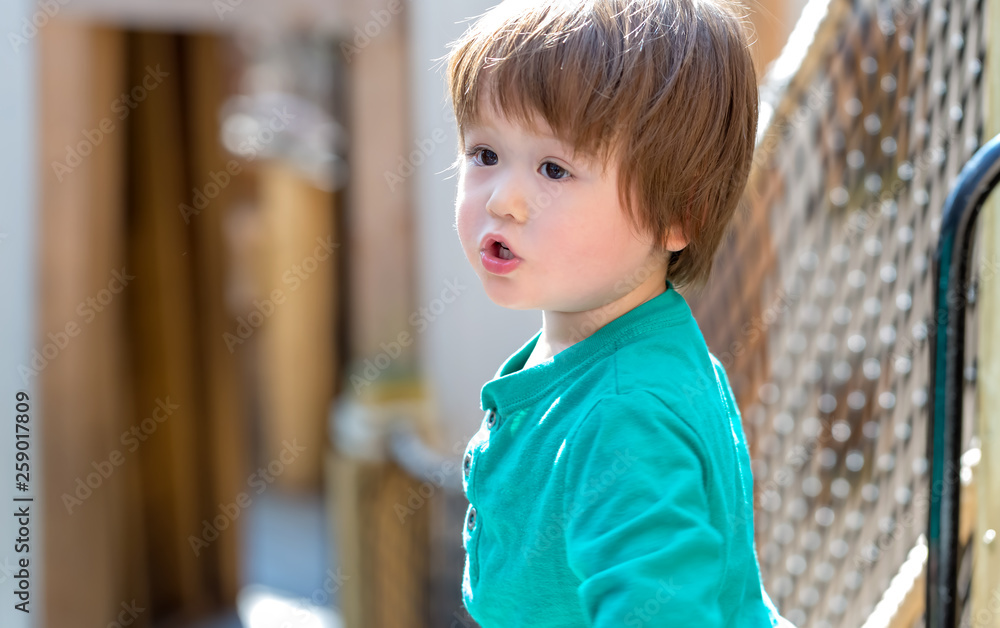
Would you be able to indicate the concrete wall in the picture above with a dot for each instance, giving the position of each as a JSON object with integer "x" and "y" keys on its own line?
{"x": 17, "y": 273}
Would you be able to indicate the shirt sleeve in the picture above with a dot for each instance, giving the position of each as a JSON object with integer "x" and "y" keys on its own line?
{"x": 638, "y": 529}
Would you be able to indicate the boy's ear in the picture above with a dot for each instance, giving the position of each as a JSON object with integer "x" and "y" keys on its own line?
{"x": 674, "y": 239}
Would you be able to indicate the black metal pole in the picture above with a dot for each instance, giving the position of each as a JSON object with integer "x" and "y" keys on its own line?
{"x": 947, "y": 353}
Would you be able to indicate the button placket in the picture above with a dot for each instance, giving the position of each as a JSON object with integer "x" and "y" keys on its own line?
{"x": 472, "y": 515}
{"x": 470, "y": 537}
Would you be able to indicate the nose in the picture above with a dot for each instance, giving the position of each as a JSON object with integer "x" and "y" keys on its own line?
{"x": 508, "y": 199}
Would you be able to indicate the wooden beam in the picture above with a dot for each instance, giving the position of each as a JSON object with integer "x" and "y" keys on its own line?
{"x": 92, "y": 563}
{"x": 296, "y": 340}
{"x": 226, "y": 428}
{"x": 163, "y": 348}
{"x": 379, "y": 239}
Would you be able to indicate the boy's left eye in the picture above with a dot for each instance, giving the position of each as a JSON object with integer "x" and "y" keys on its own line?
{"x": 554, "y": 171}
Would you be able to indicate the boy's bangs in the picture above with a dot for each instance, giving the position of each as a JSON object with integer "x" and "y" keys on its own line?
{"x": 541, "y": 63}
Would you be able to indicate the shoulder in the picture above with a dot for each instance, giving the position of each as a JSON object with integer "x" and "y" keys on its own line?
{"x": 656, "y": 462}
{"x": 641, "y": 425}
{"x": 637, "y": 411}
{"x": 677, "y": 367}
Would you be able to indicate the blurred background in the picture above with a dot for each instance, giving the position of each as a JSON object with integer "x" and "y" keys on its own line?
{"x": 255, "y": 348}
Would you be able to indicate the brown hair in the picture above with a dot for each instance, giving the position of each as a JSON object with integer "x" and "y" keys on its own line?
{"x": 667, "y": 88}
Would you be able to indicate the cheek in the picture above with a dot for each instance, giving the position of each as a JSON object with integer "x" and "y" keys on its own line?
{"x": 595, "y": 239}
{"x": 601, "y": 247}
{"x": 617, "y": 231}
{"x": 465, "y": 219}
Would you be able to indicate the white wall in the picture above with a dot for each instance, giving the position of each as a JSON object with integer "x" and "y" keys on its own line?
{"x": 464, "y": 346}
{"x": 17, "y": 295}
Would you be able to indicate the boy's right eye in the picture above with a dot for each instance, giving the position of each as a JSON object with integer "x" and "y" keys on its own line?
{"x": 484, "y": 156}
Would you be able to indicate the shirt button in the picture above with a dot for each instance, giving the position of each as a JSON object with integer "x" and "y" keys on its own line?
{"x": 491, "y": 418}
{"x": 472, "y": 518}
{"x": 467, "y": 463}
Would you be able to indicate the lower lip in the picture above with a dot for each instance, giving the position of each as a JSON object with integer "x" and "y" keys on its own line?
{"x": 497, "y": 265}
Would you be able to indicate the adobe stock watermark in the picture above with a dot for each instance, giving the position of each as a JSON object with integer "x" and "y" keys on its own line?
{"x": 301, "y": 612}
{"x": 259, "y": 480}
{"x": 758, "y": 325}
{"x": 6, "y": 570}
{"x": 225, "y": 7}
{"x": 201, "y": 198}
{"x": 323, "y": 596}
{"x": 611, "y": 309}
{"x": 219, "y": 180}
{"x": 131, "y": 439}
{"x": 986, "y": 616}
{"x": 126, "y": 616}
{"x": 294, "y": 278}
{"x": 87, "y": 310}
{"x": 591, "y": 492}
{"x": 92, "y": 138}
{"x": 901, "y": 11}
{"x": 418, "y": 498}
{"x": 364, "y": 34}
{"x": 407, "y": 165}
{"x": 795, "y": 459}
{"x": 818, "y": 97}
{"x": 420, "y": 320}
{"x": 916, "y": 515}
{"x": 641, "y": 615}
{"x": 30, "y": 26}
{"x": 462, "y": 619}
{"x": 882, "y": 202}
{"x": 870, "y": 553}
{"x": 908, "y": 346}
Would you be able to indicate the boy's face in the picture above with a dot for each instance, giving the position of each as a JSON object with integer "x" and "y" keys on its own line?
{"x": 571, "y": 246}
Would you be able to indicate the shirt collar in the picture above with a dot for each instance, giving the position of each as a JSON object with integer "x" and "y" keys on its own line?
{"x": 513, "y": 386}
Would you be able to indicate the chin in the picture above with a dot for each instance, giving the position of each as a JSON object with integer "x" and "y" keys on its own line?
{"x": 504, "y": 293}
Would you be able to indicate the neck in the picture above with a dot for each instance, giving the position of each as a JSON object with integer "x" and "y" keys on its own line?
{"x": 561, "y": 330}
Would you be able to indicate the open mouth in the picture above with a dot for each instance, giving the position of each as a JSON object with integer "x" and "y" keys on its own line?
{"x": 500, "y": 250}
{"x": 497, "y": 258}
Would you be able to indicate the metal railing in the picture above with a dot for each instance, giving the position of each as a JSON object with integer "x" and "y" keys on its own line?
{"x": 947, "y": 361}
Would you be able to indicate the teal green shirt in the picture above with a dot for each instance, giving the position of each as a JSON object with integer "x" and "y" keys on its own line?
{"x": 611, "y": 486}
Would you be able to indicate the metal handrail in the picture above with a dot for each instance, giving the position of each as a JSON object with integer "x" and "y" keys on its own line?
{"x": 947, "y": 353}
